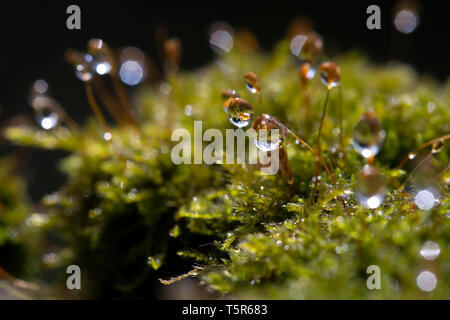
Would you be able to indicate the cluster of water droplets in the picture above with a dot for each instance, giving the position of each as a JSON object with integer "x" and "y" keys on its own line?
{"x": 99, "y": 60}
{"x": 368, "y": 137}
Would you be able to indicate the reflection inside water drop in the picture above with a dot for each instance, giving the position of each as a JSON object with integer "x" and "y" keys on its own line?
{"x": 268, "y": 133}
{"x": 370, "y": 187}
{"x": 240, "y": 112}
{"x": 368, "y": 136}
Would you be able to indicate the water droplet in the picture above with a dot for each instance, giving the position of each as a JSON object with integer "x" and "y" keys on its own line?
{"x": 227, "y": 96}
{"x": 424, "y": 200}
{"x": 312, "y": 47}
{"x": 412, "y": 155}
{"x": 368, "y": 135}
{"x": 240, "y": 112}
{"x": 430, "y": 250}
{"x": 103, "y": 56}
{"x": 47, "y": 118}
{"x": 269, "y": 133}
{"x": 370, "y": 187}
{"x": 438, "y": 146}
{"x": 83, "y": 64}
{"x": 426, "y": 281}
{"x": 330, "y": 74}
{"x": 307, "y": 71}
{"x": 47, "y": 111}
{"x": 252, "y": 82}
{"x": 425, "y": 181}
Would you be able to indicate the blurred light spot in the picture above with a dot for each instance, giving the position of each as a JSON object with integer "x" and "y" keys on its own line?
{"x": 188, "y": 110}
{"x": 366, "y": 153}
{"x": 36, "y": 220}
{"x": 49, "y": 258}
{"x": 132, "y": 53}
{"x": 426, "y": 281}
{"x": 297, "y": 43}
{"x": 221, "y": 40}
{"x": 103, "y": 68}
{"x": 406, "y": 21}
{"x": 131, "y": 72}
{"x": 424, "y": 200}
{"x": 431, "y": 106}
{"x": 374, "y": 202}
{"x": 107, "y": 136}
{"x": 430, "y": 250}
{"x": 40, "y": 86}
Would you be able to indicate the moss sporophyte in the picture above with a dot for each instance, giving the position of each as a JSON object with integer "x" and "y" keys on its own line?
{"x": 295, "y": 198}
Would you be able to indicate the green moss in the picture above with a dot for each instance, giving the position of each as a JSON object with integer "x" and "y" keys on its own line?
{"x": 128, "y": 215}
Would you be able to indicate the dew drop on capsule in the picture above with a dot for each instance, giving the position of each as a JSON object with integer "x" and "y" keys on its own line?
{"x": 83, "y": 63}
{"x": 307, "y": 71}
{"x": 330, "y": 74}
{"x": 269, "y": 133}
{"x": 370, "y": 187}
{"x": 227, "y": 96}
{"x": 368, "y": 135}
{"x": 46, "y": 111}
{"x": 102, "y": 55}
{"x": 240, "y": 112}
{"x": 252, "y": 82}
{"x": 438, "y": 146}
{"x": 47, "y": 118}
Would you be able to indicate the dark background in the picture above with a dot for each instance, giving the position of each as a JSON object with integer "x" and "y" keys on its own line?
{"x": 34, "y": 37}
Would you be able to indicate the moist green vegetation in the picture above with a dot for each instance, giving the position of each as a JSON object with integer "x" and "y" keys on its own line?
{"x": 128, "y": 216}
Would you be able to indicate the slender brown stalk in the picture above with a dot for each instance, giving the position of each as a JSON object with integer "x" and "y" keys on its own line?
{"x": 95, "y": 108}
{"x": 341, "y": 120}
{"x": 316, "y": 181}
{"x": 318, "y": 159}
{"x": 124, "y": 100}
{"x": 426, "y": 144}
{"x": 109, "y": 102}
{"x": 260, "y": 103}
{"x": 19, "y": 283}
{"x": 307, "y": 103}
